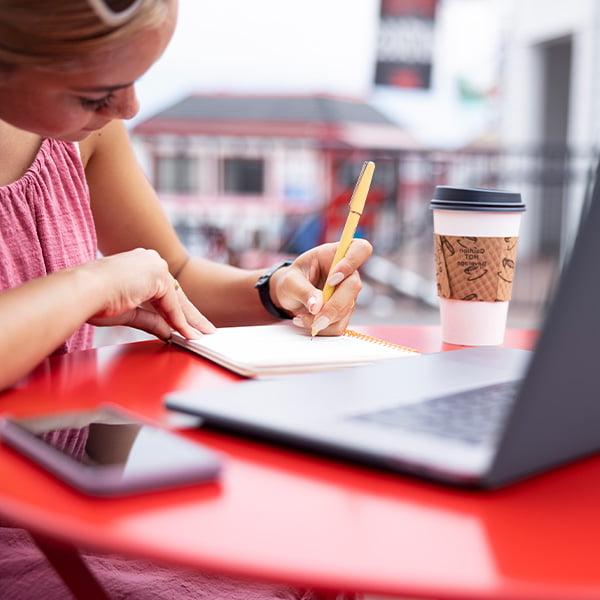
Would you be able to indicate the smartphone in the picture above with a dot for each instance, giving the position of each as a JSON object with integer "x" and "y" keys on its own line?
{"x": 108, "y": 453}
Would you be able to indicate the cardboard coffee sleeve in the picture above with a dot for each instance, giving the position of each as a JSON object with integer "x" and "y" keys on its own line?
{"x": 475, "y": 268}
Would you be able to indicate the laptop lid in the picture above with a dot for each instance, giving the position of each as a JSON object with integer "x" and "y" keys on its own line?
{"x": 328, "y": 411}
{"x": 556, "y": 417}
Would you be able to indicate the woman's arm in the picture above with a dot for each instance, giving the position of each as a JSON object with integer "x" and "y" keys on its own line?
{"x": 29, "y": 322}
{"x": 128, "y": 215}
{"x": 36, "y": 317}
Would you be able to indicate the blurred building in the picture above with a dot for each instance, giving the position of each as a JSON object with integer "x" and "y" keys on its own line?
{"x": 550, "y": 112}
{"x": 232, "y": 171}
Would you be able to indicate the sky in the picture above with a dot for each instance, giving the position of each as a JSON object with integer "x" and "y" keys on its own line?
{"x": 285, "y": 46}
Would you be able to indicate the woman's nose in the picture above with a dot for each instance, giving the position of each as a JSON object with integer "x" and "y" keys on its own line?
{"x": 125, "y": 105}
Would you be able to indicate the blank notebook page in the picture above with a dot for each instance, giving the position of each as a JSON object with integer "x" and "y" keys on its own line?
{"x": 270, "y": 349}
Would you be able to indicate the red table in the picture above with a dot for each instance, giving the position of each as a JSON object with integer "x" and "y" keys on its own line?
{"x": 286, "y": 516}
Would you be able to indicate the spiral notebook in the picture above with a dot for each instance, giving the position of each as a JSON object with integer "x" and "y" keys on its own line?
{"x": 265, "y": 350}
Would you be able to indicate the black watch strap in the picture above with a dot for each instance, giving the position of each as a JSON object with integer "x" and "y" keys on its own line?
{"x": 262, "y": 285}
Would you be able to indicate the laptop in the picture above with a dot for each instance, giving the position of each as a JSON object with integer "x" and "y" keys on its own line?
{"x": 480, "y": 417}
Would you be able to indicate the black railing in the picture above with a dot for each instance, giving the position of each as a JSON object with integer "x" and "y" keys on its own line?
{"x": 553, "y": 180}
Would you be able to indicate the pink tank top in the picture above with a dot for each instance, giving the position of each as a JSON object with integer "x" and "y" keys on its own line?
{"x": 46, "y": 223}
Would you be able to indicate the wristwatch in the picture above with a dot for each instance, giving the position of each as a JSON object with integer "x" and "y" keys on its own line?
{"x": 262, "y": 285}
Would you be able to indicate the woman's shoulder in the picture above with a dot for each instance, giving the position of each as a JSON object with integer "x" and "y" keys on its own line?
{"x": 103, "y": 140}
{"x": 18, "y": 151}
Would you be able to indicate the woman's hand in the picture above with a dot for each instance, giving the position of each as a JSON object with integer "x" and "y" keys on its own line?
{"x": 297, "y": 288}
{"x": 130, "y": 279}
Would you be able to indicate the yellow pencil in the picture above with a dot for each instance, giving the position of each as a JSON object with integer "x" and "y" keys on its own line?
{"x": 357, "y": 203}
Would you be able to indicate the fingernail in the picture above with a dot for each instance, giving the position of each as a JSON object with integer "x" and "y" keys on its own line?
{"x": 298, "y": 321}
{"x": 336, "y": 278}
{"x": 197, "y": 334}
{"x": 312, "y": 305}
{"x": 320, "y": 323}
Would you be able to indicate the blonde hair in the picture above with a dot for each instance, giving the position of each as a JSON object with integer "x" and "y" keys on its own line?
{"x": 63, "y": 33}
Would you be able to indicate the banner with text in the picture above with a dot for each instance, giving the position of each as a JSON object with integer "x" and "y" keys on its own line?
{"x": 405, "y": 43}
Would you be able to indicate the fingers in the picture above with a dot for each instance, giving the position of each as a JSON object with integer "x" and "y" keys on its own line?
{"x": 140, "y": 318}
{"x": 141, "y": 276}
{"x": 154, "y": 319}
{"x": 358, "y": 252}
{"x": 151, "y": 322}
{"x": 295, "y": 287}
{"x": 303, "y": 320}
{"x": 336, "y": 328}
{"x": 193, "y": 315}
{"x": 334, "y": 316}
{"x": 170, "y": 306}
{"x": 298, "y": 292}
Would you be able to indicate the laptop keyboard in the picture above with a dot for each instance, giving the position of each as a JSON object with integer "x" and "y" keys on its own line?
{"x": 475, "y": 416}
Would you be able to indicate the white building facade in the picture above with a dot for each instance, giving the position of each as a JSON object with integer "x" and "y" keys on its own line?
{"x": 551, "y": 109}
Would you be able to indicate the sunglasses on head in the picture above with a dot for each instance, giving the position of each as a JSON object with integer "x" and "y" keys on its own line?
{"x": 115, "y": 12}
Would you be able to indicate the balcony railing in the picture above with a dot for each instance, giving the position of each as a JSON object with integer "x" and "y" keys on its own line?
{"x": 554, "y": 182}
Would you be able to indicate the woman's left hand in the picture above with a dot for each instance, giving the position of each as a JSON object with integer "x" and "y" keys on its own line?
{"x": 297, "y": 288}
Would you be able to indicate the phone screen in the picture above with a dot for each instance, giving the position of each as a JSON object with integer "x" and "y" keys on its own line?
{"x": 131, "y": 449}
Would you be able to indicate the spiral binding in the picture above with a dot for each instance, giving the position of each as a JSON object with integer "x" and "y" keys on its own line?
{"x": 375, "y": 340}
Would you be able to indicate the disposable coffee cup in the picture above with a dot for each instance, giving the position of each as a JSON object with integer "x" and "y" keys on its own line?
{"x": 476, "y": 232}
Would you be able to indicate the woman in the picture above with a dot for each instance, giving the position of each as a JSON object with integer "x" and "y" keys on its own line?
{"x": 68, "y": 76}
{"x": 69, "y": 185}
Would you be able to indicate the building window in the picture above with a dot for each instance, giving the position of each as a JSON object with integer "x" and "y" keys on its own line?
{"x": 177, "y": 174}
{"x": 243, "y": 176}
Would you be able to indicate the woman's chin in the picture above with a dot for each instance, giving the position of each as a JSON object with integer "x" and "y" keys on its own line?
{"x": 77, "y": 136}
